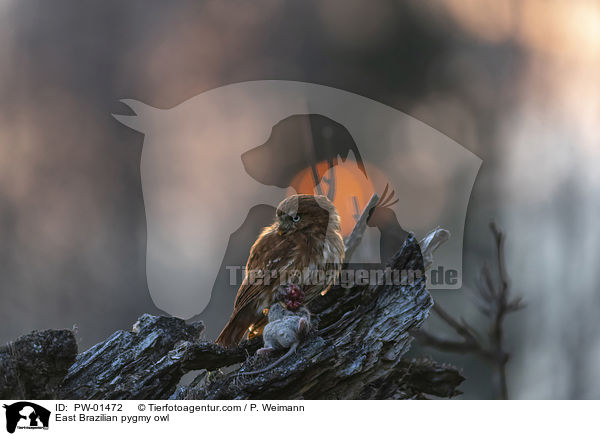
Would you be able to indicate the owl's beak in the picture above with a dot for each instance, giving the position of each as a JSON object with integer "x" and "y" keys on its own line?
{"x": 284, "y": 227}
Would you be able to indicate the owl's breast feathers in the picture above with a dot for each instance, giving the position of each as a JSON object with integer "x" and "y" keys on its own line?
{"x": 276, "y": 259}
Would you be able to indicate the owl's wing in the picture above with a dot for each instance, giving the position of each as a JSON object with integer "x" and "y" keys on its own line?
{"x": 247, "y": 294}
{"x": 269, "y": 253}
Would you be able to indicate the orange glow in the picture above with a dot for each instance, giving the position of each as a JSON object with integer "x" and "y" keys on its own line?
{"x": 349, "y": 182}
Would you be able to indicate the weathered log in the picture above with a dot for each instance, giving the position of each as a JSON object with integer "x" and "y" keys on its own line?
{"x": 356, "y": 352}
{"x": 34, "y": 365}
{"x": 147, "y": 362}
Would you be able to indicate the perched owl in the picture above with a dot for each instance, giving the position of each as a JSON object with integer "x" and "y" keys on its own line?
{"x": 305, "y": 238}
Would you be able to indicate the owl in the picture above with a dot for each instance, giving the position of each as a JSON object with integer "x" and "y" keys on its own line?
{"x": 303, "y": 246}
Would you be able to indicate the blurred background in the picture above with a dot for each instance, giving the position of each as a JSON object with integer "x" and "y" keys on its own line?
{"x": 515, "y": 82}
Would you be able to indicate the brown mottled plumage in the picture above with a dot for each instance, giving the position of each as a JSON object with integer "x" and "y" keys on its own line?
{"x": 305, "y": 235}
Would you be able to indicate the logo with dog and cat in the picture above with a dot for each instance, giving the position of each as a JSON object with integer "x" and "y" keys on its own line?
{"x": 25, "y": 415}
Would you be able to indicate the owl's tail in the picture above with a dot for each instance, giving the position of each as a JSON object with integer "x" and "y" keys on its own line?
{"x": 236, "y": 328}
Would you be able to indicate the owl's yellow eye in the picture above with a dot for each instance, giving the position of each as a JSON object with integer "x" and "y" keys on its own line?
{"x": 296, "y": 218}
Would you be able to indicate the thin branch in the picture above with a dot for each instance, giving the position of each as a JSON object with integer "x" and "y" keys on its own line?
{"x": 353, "y": 241}
{"x": 494, "y": 301}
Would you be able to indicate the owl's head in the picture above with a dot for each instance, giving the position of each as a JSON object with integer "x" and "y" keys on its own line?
{"x": 307, "y": 213}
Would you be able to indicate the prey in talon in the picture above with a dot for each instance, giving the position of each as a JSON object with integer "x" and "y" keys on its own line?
{"x": 288, "y": 325}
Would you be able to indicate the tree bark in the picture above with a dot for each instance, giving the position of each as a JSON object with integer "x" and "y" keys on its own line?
{"x": 34, "y": 365}
{"x": 355, "y": 353}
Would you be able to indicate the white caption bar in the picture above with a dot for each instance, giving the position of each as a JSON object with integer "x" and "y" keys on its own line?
{"x": 299, "y": 417}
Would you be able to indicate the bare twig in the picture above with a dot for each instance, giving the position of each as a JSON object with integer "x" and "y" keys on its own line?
{"x": 494, "y": 301}
{"x": 353, "y": 241}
